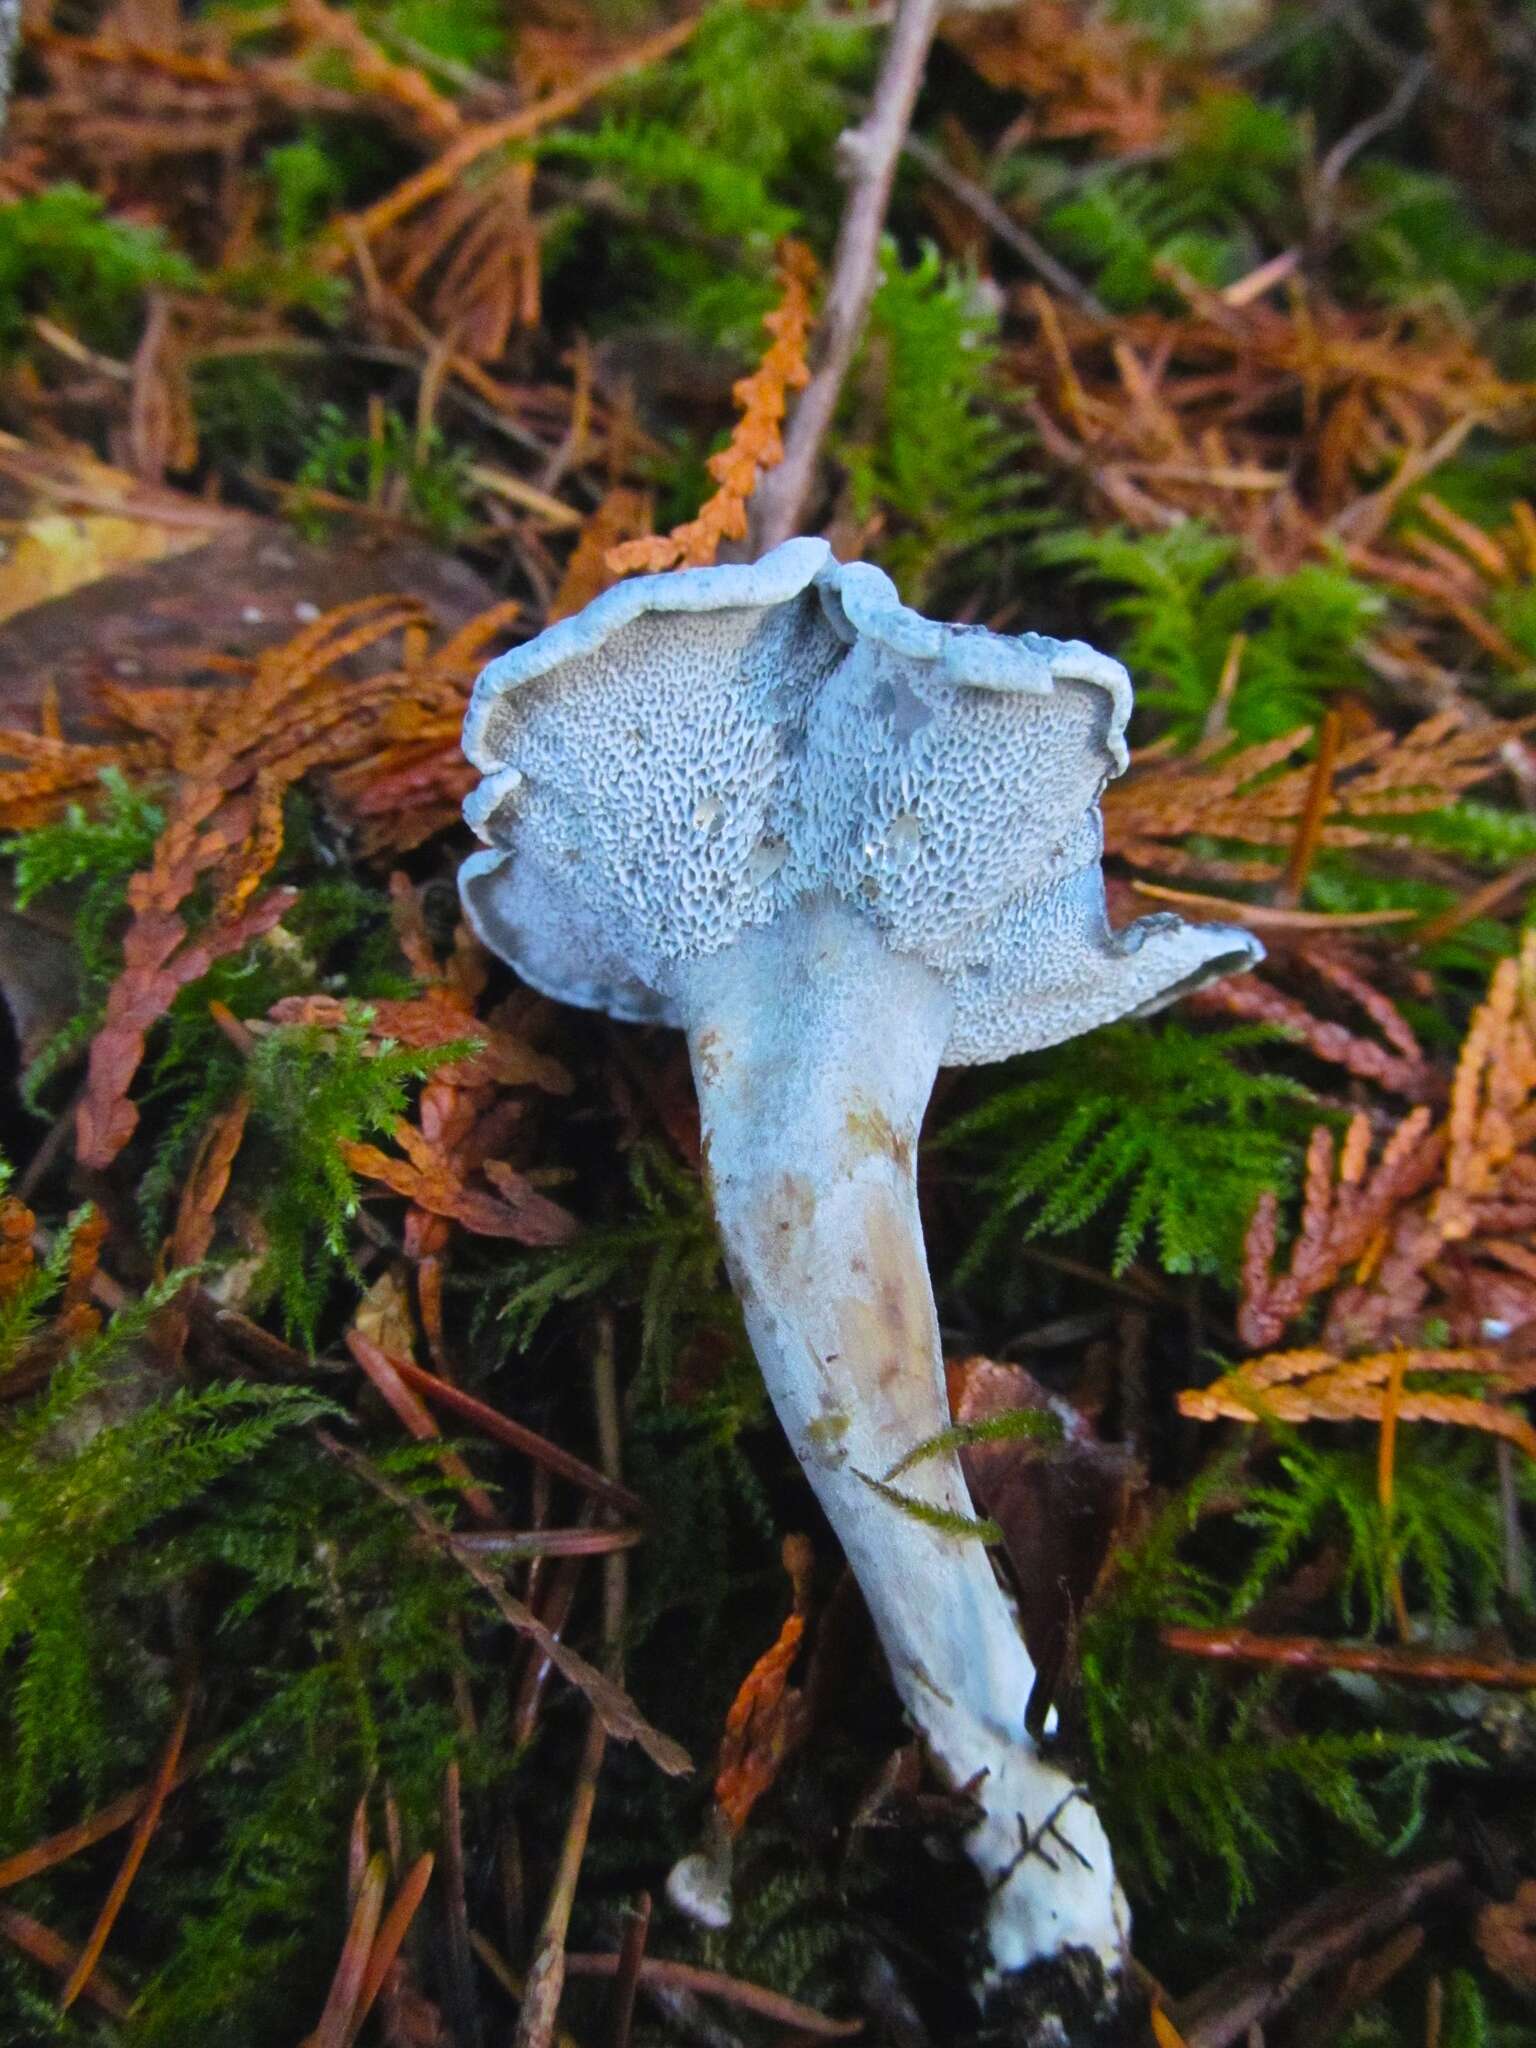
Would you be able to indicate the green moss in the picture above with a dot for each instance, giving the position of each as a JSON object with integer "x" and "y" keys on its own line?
{"x": 1175, "y": 1133}
{"x": 63, "y": 254}
{"x": 1179, "y": 598}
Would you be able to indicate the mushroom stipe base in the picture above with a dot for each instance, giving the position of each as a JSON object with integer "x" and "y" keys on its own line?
{"x": 1067, "y": 2001}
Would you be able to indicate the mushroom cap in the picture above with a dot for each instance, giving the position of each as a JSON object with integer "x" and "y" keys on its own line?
{"x": 697, "y": 751}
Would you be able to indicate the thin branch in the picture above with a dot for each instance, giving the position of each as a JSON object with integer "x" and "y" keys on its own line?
{"x": 977, "y": 200}
{"x": 617, "y": 1711}
{"x": 621, "y": 2010}
{"x": 1333, "y": 1928}
{"x": 545, "y": 1983}
{"x": 138, "y": 1842}
{"x": 1273, "y": 916}
{"x": 43, "y": 1855}
{"x": 517, "y": 1436}
{"x": 1379, "y": 1660}
{"x": 1361, "y": 136}
{"x": 389, "y": 1940}
{"x": 773, "y": 2005}
{"x": 869, "y": 153}
{"x": 463, "y": 2004}
{"x": 546, "y": 1974}
{"x": 1314, "y": 815}
{"x": 44, "y": 1946}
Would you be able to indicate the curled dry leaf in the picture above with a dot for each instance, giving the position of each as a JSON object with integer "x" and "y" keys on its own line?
{"x": 426, "y": 1178}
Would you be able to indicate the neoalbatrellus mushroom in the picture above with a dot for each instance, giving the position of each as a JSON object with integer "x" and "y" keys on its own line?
{"x": 841, "y": 845}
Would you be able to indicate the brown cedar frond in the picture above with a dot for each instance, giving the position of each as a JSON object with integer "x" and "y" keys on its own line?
{"x": 403, "y": 85}
{"x": 1164, "y": 418}
{"x": 1082, "y": 73}
{"x": 1317, "y": 1386}
{"x": 75, "y": 1317}
{"x": 471, "y": 263}
{"x": 1397, "y": 1065}
{"x": 1441, "y": 1204}
{"x": 1493, "y": 1098}
{"x": 623, "y": 514}
{"x": 224, "y": 818}
{"x": 756, "y": 443}
{"x": 17, "y": 1257}
{"x": 449, "y": 1167}
{"x": 403, "y": 775}
{"x": 1257, "y": 795}
{"x": 387, "y": 743}
{"x": 1347, "y": 1204}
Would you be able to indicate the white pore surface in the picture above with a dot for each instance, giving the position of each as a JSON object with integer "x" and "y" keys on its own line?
{"x": 815, "y": 1047}
{"x": 696, "y": 753}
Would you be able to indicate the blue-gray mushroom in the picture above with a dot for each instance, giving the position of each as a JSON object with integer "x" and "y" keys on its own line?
{"x": 840, "y": 845}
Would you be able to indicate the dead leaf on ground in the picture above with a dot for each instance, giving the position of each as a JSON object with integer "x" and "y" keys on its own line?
{"x": 241, "y": 590}
{"x": 1061, "y": 1505}
{"x": 79, "y": 520}
{"x": 1506, "y": 1934}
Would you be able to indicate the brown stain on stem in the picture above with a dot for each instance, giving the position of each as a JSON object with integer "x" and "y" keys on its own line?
{"x": 871, "y": 1133}
{"x": 886, "y": 1330}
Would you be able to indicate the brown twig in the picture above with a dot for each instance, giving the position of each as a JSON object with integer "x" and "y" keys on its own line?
{"x": 1364, "y": 133}
{"x": 387, "y": 1944}
{"x": 618, "y": 1712}
{"x": 1316, "y": 1653}
{"x": 95, "y": 1828}
{"x": 1329, "y": 1931}
{"x": 517, "y": 1437}
{"x": 1273, "y": 916}
{"x": 1477, "y": 903}
{"x": 514, "y": 1545}
{"x": 352, "y": 1968}
{"x": 978, "y": 201}
{"x": 546, "y": 1974}
{"x": 773, "y": 2005}
{"x": 626, "y": 1982}
{"x": 143, "y": 1828}
{"x": 463, "y": 2006}
{"x": 1314, "y": 815}
{"x": 55, "y": 1953}
{"x": 869, "y": 153}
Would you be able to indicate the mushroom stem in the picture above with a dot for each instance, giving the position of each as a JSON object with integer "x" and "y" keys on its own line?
{"x": 815, "y": 1049}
